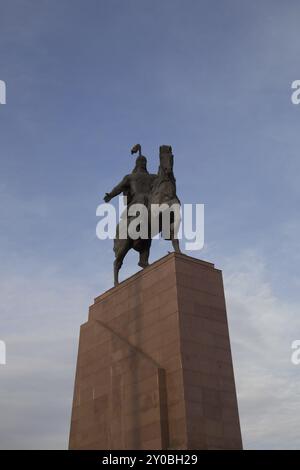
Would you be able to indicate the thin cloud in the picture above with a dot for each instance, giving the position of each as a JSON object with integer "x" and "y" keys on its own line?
{"x": 262, "y": 328}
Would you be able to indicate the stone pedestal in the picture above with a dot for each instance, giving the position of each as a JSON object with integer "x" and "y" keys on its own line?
{"x": 154, "y": 367}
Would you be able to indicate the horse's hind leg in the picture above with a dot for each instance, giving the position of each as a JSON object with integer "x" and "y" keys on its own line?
{"x": 175, "y": 243}
{"x": 117, "y": 267}
{"x": 174, "y": 239}
{"x": 144, "y": 256}
{"x": 120, "y": 255}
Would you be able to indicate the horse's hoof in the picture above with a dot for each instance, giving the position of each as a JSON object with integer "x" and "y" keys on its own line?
{"x": 143, "y": 265}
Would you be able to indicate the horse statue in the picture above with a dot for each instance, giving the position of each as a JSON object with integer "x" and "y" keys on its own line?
{"x": 156, "y": 193}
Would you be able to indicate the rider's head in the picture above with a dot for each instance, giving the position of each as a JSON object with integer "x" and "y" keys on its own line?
{"x": 140, "y": 164}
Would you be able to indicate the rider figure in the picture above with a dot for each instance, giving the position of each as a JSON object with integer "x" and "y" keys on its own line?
{"x": 137, "y": 185}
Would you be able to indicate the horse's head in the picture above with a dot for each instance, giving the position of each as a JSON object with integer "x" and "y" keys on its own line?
{"x": 166, "y": 159}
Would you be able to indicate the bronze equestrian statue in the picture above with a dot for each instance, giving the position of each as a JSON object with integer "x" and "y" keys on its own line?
{"x": 150, "y": 190}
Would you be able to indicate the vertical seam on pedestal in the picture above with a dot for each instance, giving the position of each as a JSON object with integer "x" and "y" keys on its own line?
{"x": 180, "y": 350}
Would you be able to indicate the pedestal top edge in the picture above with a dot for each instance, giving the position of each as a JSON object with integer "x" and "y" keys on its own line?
{"x": 144, "y": 272}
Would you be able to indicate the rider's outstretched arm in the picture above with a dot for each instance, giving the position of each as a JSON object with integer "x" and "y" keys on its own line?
{"x": 120, "y": 188}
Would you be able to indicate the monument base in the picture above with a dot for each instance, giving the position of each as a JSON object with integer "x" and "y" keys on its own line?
{"x": 154, "y": 368}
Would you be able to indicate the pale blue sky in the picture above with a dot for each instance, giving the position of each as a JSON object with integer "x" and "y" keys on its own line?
{"x": 87, "y": 79}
